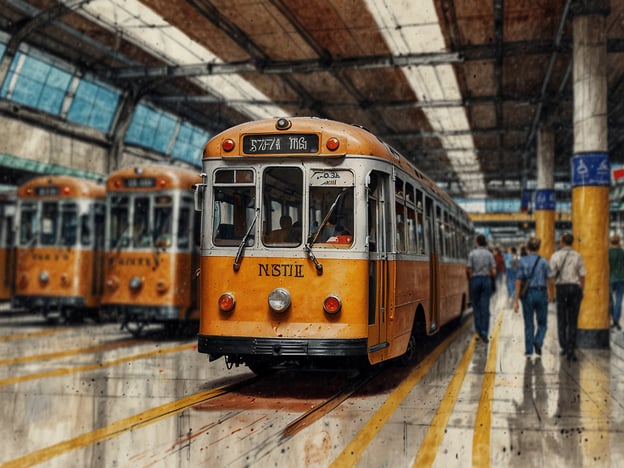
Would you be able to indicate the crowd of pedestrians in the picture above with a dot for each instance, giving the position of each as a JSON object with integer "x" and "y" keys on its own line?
{"x": 532, "y": 281}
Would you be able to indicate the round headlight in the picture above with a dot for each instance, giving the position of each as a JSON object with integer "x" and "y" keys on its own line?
{"x": 44, "y": 277}
{"x": 279, "y": 300}
{"x": 135, "y": 283}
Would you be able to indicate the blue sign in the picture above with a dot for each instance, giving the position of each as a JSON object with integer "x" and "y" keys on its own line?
{"x": 591, "y": 169}
{"x": 545, "y": 199}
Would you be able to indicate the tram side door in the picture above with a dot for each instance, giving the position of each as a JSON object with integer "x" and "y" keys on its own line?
{"x": 434, "y": 266}
{"x": 379, "y": 234}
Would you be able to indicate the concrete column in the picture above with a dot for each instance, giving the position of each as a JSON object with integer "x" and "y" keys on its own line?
{"x": 591, "y": 170}
{"x": 545, "y": 199}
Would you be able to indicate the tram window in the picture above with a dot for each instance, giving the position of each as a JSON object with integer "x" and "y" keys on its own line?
{"x": 331, "y": 209}
{"x": 119, "y": 222}
{"x": 69, "y": 224}
{"x": 184, "y": 230}
{"x": 163, "y": 221}
{"x": 49, "y": 222}
{"x": 140, "y": 223}
{"x": 99, "y": 220}
{"x": 412, "y": 243}
{"x": 234, "y": 210}
{"x": 28, "y": 221}
{"x": 400, "y": 215}
{"x": 282, "y": 200}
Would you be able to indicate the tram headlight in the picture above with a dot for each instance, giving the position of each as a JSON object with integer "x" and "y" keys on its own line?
{"x": 135, "y": 283}
{"x": 279, "y": 300}
{"x": 226, "y": 302}
{"x": 332, "y": 304}
{"x": 44, "y": 277}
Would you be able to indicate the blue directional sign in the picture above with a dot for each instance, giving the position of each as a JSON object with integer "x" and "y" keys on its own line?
{"x": 545, "y": 199}
{"x": 591, "y": 169}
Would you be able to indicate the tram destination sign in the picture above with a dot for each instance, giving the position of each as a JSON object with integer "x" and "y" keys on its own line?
{"x": 48, "y": 190}
{"x": 281, "y": 144}
{"x": 139, "y": 182}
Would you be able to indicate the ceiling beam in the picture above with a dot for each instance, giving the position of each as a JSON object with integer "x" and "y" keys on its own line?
{"x": 281, "y": 67}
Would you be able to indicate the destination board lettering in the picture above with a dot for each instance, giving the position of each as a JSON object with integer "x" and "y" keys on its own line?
{"x": 280, "y": 144}
{"x": 139, "y": 182}
{"x": 47, "y": 191}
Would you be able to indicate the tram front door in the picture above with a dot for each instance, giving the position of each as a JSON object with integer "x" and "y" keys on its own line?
{"x": 379, "y": 271}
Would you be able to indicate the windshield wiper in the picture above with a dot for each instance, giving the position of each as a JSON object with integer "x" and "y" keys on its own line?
{"x": 241, "y": 246}
{"x": 308, "y": 246}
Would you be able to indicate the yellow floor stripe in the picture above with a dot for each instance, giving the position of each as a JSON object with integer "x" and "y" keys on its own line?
{"x": 22, "y": 336}
{"x": 352, "y": 453}
{"x": 97, "y": 365}
{"x": 117, "y": 428}
{"x": 483, "y": 421}
{"x": 69, "y": 352}
{"x": 431, "y": 443}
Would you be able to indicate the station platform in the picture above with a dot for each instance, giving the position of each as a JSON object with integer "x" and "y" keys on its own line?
{"x": 90, "y": 395}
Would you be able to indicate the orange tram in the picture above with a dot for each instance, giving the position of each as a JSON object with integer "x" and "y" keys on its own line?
{"x": 323, "y": 242}
{"x": 152, "y": 247}
{"x": 7, "y": 249}
{"x": 59, "y": 243}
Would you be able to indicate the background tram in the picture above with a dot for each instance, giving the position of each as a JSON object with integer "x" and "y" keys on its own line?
{"x": 320, "y": 241}
{"x": 59, "y": 243}
{"x": 7, "y": 248}
{"x": 152, "y": 252}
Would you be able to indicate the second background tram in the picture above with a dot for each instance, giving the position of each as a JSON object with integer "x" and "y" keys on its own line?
{"x": 152, "y": 248}
{"x": 322, "y": 242}
{"x": 59, "y": 243}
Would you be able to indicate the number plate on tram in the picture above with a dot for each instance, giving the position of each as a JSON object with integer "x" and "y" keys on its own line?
{"x": 280, "y": 144}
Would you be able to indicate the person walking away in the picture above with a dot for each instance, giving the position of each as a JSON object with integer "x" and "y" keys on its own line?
{"x": 499, "y": 260}
{"x": 511, "y": 266}
{"x": 537, "y": 272}
{"x": 480, "y": 269}
{"x": 616, "y": 280}
{"x": 569, "y": 271}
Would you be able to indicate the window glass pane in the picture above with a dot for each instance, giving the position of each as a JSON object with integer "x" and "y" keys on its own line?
{"x": 234, "y": 211}
{"x": 49, "y": 223}
{"x": 39, "y": 85}
{"x": 28, "y": 223}
{"x": 189, "y": 144}
{"x": 331, "y": 210}
{"x": 119, "y": 235}
{"x": 151, "y": 128}
{"x": 282, "y": 200}
{"x": 163, "y": 221}
{"x": 93, "y": 105}
{"x": 140, "y": 223}
{"x": 69, "y": 224}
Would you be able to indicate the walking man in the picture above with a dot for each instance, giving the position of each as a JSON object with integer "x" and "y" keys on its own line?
{"x": 569, "y": 269}
{"x": 536, "y": 271}
{"x": 480, "y": 269}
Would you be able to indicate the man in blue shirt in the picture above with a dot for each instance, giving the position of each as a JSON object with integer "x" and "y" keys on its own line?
{"x": 537, "y": 272}
{"x": 480, "y": 269}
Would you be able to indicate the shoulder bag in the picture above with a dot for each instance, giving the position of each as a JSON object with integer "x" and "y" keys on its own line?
{"x": 524, "y": 288}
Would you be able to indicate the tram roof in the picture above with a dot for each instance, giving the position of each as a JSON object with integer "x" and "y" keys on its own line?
{"x": 77, "y": 187}
{"x": 171, "y": 177}
{"x": 460, "y": 88}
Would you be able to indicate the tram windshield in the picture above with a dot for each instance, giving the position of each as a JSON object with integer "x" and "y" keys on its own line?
{"x": 234, "y": 206}
{"x": 331, "y": 208}
{"x": 141, "y": 222}
{"x": 49, "y": 223}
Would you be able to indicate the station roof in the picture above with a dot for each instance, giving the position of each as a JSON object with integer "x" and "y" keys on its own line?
{"x": 460, "y": 87}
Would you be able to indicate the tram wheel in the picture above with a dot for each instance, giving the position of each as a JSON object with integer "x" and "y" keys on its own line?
{"x": 260, "y": 366}
{"x": 410, "y": 352}
{"x": 135, "y": 328}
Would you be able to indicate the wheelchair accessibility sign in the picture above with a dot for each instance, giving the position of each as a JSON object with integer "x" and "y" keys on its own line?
{"x": 591, "y": 169}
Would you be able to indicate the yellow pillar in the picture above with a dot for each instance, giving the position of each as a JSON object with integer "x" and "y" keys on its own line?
{"x": 591, "y": 173}
{"x": 545, "y": 199}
